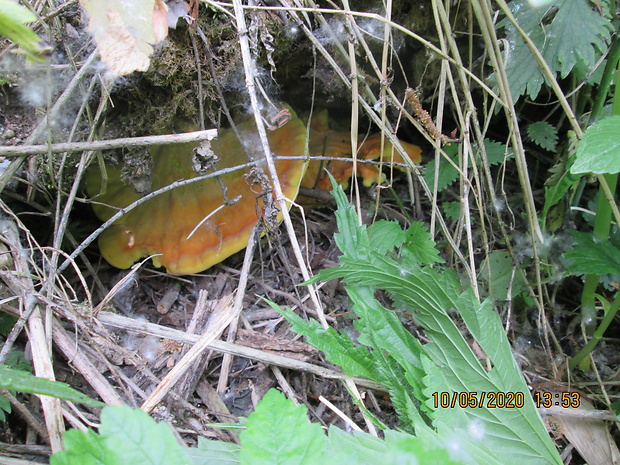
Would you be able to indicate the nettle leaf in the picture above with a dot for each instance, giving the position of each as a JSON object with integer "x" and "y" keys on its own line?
{"x": 496, "y": 152}
{"x": 420, "y": 246}
{"x": 577, "y": 34}
{"x": 397, "y": 448}
{"x": 599, "y": 150}
{"x": 452, "y": 210}
{"x": 339, "y": 349}
{"x": 592, "y": 256}
{"x": 85, "y": 448}
{"x": 140, "y": 439}
{"x": 433, "y": 297}
{"x": 126, "y": 436}
{"x": 385, "y": 236}
{"x": 351, "y": 239}
{"x": 278, "y": 432}
{"x": 543, "y": 134}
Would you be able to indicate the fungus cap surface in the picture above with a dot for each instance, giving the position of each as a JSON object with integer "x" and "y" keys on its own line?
{"x": 172, "y": 226}
{"x": 192, "y": 227}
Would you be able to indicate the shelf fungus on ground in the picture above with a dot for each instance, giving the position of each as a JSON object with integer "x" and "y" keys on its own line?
{"x": 192, "y": 227}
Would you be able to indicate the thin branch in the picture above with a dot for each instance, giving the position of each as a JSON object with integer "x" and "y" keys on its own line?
{"x": 24, "y": 150}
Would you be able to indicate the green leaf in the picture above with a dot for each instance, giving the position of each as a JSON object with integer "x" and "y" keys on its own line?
{"x": 543, "y": 134}
{"x": 351, "y": 238}
{"x": 397, "y": 449}
{"x": 18, "y": 380}
{"x": 452, "y": 210}
{"x": 593, "y": 256}
{"x": 7, "y": 321}
{"x": 498, "y": 272}
{"x": 556, "y": 187}
{"x": 85, "y": 448}
{"x": 413, "y": 372}
{"x": 214, "y": 453}
{"x": 599, "y": 150}
{"x": 356, "y": 448}
{"x": 13, "y": 18}
{"x": 354, "y": 360}
{"x": 396, "y": 356}
{"x": 385, "y": 235}
{"x": 420, "y": 246}
{"x": 279, "y": 433}
{"x": 17, "y": 360}
{"x": 448, "y": 173}
{"x": 126, "y": 436}
{"x": 496, "y": 152}
{"x": 138, "y": 439}
{"x": 577, "y": 33}
{"x": 5, "y": 406}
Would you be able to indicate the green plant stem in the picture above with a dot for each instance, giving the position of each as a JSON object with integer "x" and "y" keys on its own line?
{"x": 604, "y": 203}
{"x": 608, "y": 74}
{"x": 602, "y": 226}
{"x": 610, "y": 313}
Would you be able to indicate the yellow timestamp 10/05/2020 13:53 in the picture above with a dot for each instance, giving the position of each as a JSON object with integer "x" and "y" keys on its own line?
{"x": 542, "y": 399}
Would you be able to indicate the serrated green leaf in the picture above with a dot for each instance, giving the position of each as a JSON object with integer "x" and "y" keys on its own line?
{"x": 452, "y": 210}
{"x": 577, "y": 32}
{"x": 599, "y": 150}
{"x": 85, "y": 448}
{"x": 593, "y": 256}
{"x": 354, "y": 360}
{"x": 13, "y": 20}
{"x": 279, "y": 433}
{"x": 386, "y": 235}
{"x": 351, "y": 238}
{"x": 396, "y": 355}
{"x": 496, "y": 152}
{"x": 555, "y": 189}
{"x": 140, "y": 440}
{"x": 18, "y": 361}
{"x": 403, "y": 449}
{"x": 356, "y": 448}
{"x": 420, "y": 245}
{"x": 18, "y": 380}
{"x": 433, "y": 296}
{"x": 543, "y": 134}
{"x": 447, "y": 172}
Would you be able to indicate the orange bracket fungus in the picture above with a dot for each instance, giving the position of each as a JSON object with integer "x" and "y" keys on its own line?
{"x": 336, "y": 144}
{"x": 192, "y": 227}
